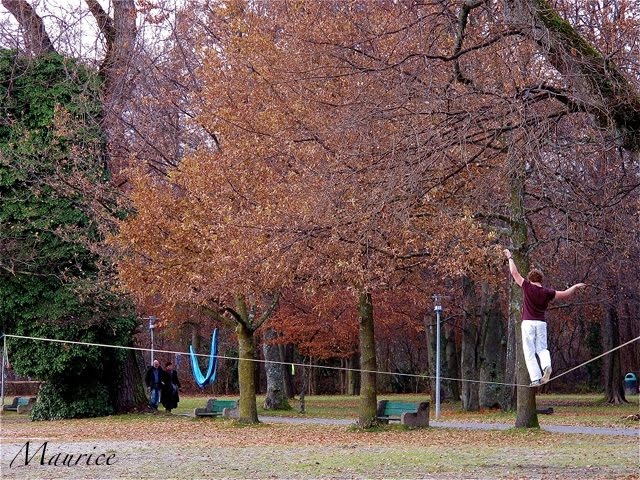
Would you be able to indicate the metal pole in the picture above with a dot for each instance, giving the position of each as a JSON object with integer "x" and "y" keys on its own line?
{"x": 152, "y": 325}
{"x": 151, "y": 346}
{"x": 438, "y": 309}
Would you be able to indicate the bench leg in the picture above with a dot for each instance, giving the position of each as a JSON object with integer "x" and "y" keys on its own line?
{"x": 231, "y": 412}
{"x": 24, "y": 408}
{"x": 419, "y": 419}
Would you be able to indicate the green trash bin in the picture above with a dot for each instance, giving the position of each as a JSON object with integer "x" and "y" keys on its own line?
{"x": 630, "y": 384}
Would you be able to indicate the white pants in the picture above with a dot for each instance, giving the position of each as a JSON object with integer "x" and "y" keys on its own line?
{"x": 534, "y": 342}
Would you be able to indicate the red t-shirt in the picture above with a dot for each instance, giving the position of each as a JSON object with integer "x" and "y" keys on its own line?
{"x": 536, "y": 301}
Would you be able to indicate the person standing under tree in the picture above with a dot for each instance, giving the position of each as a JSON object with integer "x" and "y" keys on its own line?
{"x": 534, "y": 324}
{"x": 153, "y": 380}
{"x": 170, "y": 388}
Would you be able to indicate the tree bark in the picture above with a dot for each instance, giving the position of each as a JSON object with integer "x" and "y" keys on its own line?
{"x": 286, "y": 353}
{"x": 493, "y": 348}
{"x": 36, "y": 39}
{"x": 613, "y": 377}
{"x": 276, "y": 398}
{"x": 248, "y": 409}
{"x": 120, "y": 33}
{"x": 450, "y": 364}
{"x": 305, "y": 373}
{"x": 246, "y": 326}
{"x": 367, "y": 416}
{"x": 526, "y": 416}
{"x": 470, "y": 336}
{"x": 130, "y": 394}
{"x": 526, "y": 412}
{"x": 508, "y": 398}
{"x": 353, "y": 375}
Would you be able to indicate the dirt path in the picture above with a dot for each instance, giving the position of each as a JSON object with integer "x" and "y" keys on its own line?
{"x": 627, "y": 432}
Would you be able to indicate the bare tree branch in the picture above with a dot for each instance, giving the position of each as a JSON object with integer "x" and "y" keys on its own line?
{"x": 463, "y": 18}
{"x": 599, "y": 84}
{"x": 120, "y": 34}
{"x": 35, "y": 36}
{"x": 105, "y": 24}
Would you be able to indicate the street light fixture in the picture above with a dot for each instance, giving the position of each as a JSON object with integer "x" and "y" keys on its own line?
{"x": 438, "y": 309}
{"x": 152, "y": 326}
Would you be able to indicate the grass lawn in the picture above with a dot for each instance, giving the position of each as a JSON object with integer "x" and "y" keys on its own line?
{"x": 588, "y": 410}
{"x": 159, "y": 446}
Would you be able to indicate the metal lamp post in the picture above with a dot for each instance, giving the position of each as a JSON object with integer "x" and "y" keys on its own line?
{"x": 152, "y": 326}
{"x": 438, "y": 309}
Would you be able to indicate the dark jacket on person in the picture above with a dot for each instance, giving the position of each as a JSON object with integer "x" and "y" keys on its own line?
{"x": 150, "y": 380}
{"x": 170, "y": 386}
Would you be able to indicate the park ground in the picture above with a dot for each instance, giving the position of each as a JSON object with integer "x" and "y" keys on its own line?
{"x": 162, "y": 446}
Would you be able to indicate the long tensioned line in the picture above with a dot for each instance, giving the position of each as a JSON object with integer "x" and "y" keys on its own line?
{"x": 308, "y": 365}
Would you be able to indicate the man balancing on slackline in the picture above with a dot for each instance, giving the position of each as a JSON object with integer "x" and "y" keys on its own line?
{"x": 534, "y": 325}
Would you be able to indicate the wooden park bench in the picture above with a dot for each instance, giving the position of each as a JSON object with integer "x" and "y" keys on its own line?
{"x": 20, "y": 405}
{"x": 407, "y": 413}
{"x": 218, "y": 408}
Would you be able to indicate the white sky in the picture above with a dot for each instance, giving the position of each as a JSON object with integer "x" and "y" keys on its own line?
{"x": 73, "y": 29}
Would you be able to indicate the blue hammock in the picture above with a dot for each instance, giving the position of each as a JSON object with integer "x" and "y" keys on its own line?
{"x": 210, "y": 377}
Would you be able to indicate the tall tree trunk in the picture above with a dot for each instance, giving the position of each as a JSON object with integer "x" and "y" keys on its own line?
{"x": 526, "y": 416}
{"x": 120, "y": 33}
{"x": 286, "y": 354}
{"x": 313, "y": 372}
{"x": 470, "y": 336}
{"x": 246, "y": 326}
{"x": 247, "y": 375}
{"x": 35, "y": 36}
{"x": 130, "y": 394}
{"x": 384, "y": 381}
{"x": 276, "y": 398}
{"x": 526, "y": 413}
{"x": 508, "y": 398}
{"x": 306, "y": 374}
{"x": 493, "y": 347}
{"x": 195, "y": 337}
{"x": 450, "y": 365}
{"x": 353, "y": 375}
{"x": 613, "y": 378}
{"x": 368, "y": 390}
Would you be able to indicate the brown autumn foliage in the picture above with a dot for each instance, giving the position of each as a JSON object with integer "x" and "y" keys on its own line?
{"x": 359, "y": 145}
{"x": 301, "y": 189}
{"x": 324, "y": 325}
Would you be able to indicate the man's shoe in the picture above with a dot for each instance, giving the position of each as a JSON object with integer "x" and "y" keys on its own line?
{"x": 546, "y": 375}
{"x": 535, "y": 383}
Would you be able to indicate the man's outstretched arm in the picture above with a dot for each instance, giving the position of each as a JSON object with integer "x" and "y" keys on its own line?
{"x": 564, "y": 294}
{"x": 512, "y": 268}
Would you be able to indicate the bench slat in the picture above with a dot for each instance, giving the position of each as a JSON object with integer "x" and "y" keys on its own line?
{"x": 398, "y": 408}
